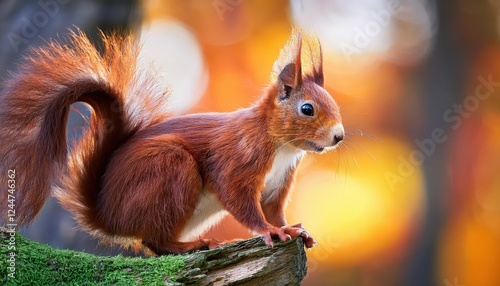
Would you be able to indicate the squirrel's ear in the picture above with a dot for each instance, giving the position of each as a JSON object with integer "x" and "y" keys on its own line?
{"x": 313, "y": 66}
{"x": 317, "y": 60}
{"x": 288, "y": 68}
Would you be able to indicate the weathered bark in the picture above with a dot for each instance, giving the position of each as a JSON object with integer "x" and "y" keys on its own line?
{"x": 248, "y": 262}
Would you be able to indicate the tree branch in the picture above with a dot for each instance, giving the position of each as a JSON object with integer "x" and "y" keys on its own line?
{"x": 248, "y": 262}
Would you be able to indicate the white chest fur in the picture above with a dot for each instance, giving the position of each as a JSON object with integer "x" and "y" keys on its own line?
{"x": 209, "y": 211}
{"x": 285, "y": 159}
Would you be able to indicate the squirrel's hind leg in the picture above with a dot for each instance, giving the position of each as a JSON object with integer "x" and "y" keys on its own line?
{"x": 164, "y": 196}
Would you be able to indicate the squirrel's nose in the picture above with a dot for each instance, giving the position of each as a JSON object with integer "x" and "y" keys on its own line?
{"x": 337, "y": 138}
{"x": 338, "y": 133}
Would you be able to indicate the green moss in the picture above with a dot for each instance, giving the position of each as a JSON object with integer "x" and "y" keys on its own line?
{"x": 39, "y": 264}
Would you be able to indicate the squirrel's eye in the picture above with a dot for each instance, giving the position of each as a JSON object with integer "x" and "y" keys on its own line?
{"x": 307, "y": 109}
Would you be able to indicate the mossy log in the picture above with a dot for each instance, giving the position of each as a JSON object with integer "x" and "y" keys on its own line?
{"x": 248, "y": 262}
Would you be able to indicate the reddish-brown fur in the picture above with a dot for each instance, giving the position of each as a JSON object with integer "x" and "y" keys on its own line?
{"x": 140, "y": 174}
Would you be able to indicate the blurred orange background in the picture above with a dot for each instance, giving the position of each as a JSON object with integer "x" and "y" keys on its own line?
{"x": 380, "y": 202}
{"x": 412, "y": 197}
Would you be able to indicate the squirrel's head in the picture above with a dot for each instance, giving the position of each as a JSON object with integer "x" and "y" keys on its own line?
{"x": 303, "y": 113}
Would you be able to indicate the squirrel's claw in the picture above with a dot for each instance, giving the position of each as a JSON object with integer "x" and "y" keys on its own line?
{"x": 298, "y": 230}
{"x": 275, "y": 231}
{"x": 286, "y": 233}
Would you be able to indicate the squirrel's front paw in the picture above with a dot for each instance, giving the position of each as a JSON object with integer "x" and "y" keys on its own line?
{"x": 271, "y": 232}
{"x": 288, "y": 232}
{"x": 298, "y": 230}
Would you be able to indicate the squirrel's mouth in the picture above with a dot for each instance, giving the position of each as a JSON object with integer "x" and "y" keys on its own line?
{"x": 314, "y": 147}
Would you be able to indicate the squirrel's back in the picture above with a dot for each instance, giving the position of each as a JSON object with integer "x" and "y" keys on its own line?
{"x": 34, "y": 109}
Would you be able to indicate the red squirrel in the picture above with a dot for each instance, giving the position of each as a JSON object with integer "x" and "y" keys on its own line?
{"x": 141, "y": 174}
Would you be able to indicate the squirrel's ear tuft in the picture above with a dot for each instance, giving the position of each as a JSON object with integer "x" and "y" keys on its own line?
{"x": 288, "y": 67}
{"x": 315, "y": 54}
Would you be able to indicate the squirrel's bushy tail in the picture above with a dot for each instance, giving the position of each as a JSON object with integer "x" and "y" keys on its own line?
{"x": 34, "y": 107}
